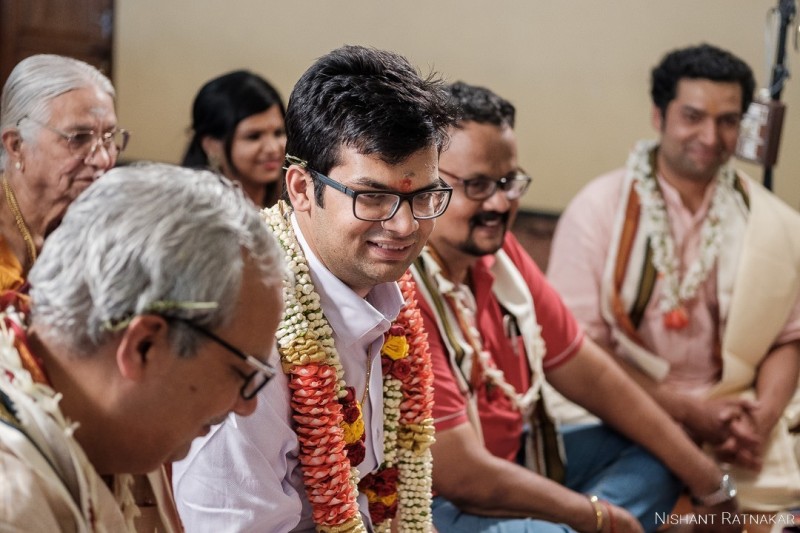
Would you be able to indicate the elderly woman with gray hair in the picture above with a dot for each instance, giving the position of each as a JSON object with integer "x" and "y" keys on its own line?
{"x": 59, "y": 133}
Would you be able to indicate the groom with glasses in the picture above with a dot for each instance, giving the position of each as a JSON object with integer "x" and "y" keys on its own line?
{"x": 361, "y": 197}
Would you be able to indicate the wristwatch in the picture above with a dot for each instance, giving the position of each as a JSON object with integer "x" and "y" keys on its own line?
{"x": 725, "y": 492}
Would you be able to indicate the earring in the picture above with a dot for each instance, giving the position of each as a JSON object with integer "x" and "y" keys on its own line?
{"x": 214, "y": 163}
{"x": 19, "y": 166}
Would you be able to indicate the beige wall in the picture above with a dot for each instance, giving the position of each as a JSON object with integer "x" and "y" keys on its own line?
{"x": 577, "y": 71}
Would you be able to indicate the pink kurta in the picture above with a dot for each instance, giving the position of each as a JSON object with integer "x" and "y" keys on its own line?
{"x": 578, "y": 258}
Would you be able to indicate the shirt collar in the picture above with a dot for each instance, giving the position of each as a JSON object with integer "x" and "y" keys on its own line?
{"x": 351, "y": 317}
{"x": 481, "y": 277}
{"x": 672, "y": 198}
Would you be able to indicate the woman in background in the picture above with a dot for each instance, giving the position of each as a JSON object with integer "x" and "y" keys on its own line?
{"x": 239, "y": 131}
{"x": 58, "y": 133}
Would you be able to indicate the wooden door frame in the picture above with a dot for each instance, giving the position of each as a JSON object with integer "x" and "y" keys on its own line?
{"x": 14, "y": 45}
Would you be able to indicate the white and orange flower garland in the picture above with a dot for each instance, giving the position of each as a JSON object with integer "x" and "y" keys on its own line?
{"x": 402, "y": 485}
{"x": 675, "y": 293}
{"x": 316, "y": 378}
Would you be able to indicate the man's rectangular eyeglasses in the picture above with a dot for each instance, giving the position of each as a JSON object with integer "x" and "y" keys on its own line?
{"x": 379, "y": 206}
{"x": 84, "y": 143}
{"x": 263, "y": 372}
{"x": 514, "y": 186}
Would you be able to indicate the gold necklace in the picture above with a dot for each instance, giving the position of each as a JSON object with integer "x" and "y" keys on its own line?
{"x": 21, "y": 225}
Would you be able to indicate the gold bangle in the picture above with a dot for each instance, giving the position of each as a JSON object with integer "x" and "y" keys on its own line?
{"x": 598, "y": 511}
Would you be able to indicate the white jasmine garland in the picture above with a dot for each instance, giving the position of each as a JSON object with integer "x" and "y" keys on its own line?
{"x": 464, "y": 302}
{"x": 675, "y": 293}
{"x": 412, "y": 433}
{"x": 522, "y": 402}
{"x": 392, "y": 397}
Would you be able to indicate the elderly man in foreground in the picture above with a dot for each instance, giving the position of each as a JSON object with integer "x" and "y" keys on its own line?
{"x": 138, "y": 340}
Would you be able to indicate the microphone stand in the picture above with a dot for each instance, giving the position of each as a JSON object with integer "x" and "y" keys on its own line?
{"x": 786, "y": 10}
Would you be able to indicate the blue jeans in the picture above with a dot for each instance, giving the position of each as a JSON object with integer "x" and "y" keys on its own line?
{"x": 599, "y": 461}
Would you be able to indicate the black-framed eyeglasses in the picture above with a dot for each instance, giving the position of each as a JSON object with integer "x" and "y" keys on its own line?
{"x": 514, "y": 185}
{"x": 262, "y": 373}
{"x": 82, "y": 144}
{"x": 374, "y": 206}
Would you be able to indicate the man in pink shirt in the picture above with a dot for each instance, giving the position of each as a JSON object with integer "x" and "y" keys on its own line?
{"x": 687, "y": 271}
{"x": 497, "y": 330}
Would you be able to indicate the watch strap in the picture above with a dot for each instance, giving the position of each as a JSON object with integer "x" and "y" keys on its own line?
{"x": 725, "y": 492}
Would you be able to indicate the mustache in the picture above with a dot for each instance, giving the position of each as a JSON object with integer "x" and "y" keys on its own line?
{"x": 485, "y": 217}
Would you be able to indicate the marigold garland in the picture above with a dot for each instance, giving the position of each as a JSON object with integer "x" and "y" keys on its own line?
{"x": 327, "y": 415}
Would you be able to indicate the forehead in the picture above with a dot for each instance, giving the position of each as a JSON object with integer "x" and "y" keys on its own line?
{"x": 82, "y": 107}
{"x": 713, "y": 97}
{"x": 356, "y": 169}
{"x": 270, "y": 117}
{"x": 480, "y": 149}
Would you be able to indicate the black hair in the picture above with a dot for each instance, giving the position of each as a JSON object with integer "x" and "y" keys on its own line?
{"x": 371, "y": 100}
{"x": 699, "y": 62}
{"x": 479, "y": 104}
{"x": 220, "y": 105}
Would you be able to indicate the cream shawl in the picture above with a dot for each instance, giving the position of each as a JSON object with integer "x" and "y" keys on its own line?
{"x": 47, "y": 468}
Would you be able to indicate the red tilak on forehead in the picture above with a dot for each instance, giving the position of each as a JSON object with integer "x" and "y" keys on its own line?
{"x": 405, "y": 184}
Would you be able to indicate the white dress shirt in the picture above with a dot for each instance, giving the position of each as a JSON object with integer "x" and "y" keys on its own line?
{"x": 245, "y": 475}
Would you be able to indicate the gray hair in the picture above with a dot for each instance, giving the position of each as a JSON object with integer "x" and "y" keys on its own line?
{"x": 145, "y": 239}
{"x": 38, "y": 79}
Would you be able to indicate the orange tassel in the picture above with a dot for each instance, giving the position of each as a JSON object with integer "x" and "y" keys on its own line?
{"x": 677, "y": 318}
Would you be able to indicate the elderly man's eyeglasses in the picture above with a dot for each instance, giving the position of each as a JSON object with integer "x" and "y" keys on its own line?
{"x": 254, "y": 382}
{"x": 378, "y": 206}
{"x": 84, "y": 143}
{"x": 514, "y": 185}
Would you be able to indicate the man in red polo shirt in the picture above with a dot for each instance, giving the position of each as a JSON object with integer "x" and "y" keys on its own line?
{"x": 497, "y": 331}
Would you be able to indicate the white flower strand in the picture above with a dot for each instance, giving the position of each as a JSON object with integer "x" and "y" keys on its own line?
{"x": 392, "y": 397}
{"x": 304, "y": 328}
{"x": 416, "y": 471}
{"x": 522, "y": 402}
{"x": 415, "y": 436}
{"x": 675, "y": 292}
{"x": 525, "y": 402}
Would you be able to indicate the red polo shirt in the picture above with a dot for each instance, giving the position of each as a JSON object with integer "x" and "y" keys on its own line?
{"x": 501, "y": 423}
